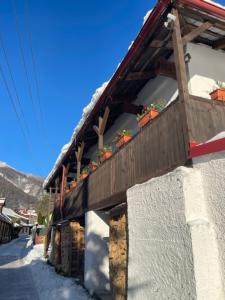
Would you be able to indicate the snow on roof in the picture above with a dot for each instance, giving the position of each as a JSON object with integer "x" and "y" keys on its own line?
{"x": 146, "y": 16}
{"x": 10, "y": 213}
{"x": 86, "y": 111}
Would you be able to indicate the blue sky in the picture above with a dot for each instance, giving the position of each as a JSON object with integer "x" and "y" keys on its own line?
{"x": 77, "y": 45}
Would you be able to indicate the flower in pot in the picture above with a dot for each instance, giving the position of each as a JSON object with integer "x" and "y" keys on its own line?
{"x": 218, "y": 92}
{"x": 93, "y": 166}
{"x": 122, "y": 137}
{"x": 105, "y": 153}
{"x": 73, "y": 184}
{"x": 150, "y": 112}
{"x": 84, "y": 173}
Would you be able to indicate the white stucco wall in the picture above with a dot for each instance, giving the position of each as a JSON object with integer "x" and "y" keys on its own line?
{"x": 160, "y": 252}
{"x": 177, "y": 233}
{"x": 96, "y": 265}
{"x": 210, "y": 260}
{"x": 205, "y": 67}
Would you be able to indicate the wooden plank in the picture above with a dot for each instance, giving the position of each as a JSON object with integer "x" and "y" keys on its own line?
{"x": 165, "y": 68}
{"x": 140, "y": 76}
{"x": 196, "y": 32}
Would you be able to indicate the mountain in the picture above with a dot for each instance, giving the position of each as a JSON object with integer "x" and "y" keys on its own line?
{"x": 19, "y": 189}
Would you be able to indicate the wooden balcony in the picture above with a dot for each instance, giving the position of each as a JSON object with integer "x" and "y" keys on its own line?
{"x": 158, "y": 148}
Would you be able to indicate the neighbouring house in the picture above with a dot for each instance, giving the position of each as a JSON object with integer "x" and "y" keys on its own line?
{"x": 6, "y": 225}
{"x": 144, "y": 218}
{"x": 29, "y": 214}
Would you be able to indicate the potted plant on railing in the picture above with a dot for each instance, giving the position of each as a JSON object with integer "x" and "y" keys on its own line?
{"x": 150, "y": 112}
{"x": 73, "y": 184}
{"x": 93, "y": 166}
{"x": 84, "y": 173}
{"x": 105, "y": 153}
{"x": 122, "y": 137}
{"x": 219, "y": 91}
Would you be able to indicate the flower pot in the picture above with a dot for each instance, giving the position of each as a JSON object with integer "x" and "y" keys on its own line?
{"x": 107, "y": 154}
{"x": 83, "y": 176}
{"x": 218, "y": 94}
{"x": 123, "y": 140}
{"x": 147, "y": 117}
{"x": 73, "y": 184}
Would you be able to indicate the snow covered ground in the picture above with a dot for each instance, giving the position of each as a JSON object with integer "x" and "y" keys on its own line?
{"x": 49, "y": 284}
{"x": 45, "y": 281}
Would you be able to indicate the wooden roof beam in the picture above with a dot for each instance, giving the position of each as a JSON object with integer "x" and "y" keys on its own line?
{"x": 196, "y": 32}
{"x": 165, "y": 68}
{"x": 220, "y": 44}
{"x": 132, "y": 108}
{"x": 140, "y": 76}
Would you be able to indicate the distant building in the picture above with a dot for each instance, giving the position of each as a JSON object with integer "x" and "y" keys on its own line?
{"x": 29, "y": 214}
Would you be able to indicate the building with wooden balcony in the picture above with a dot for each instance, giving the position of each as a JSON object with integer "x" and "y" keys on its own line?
{"x": 134, "y": 225}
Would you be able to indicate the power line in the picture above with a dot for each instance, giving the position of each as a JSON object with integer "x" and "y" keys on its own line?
{"x": 13, "y": 83}
{"x": 23, "y": 59}
{"x": 33, "y": 61}
{"x": 13, "y": 105}
{"x": 26, "y": 138}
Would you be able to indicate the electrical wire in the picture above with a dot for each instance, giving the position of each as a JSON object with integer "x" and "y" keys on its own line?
{"x": 19, "y": 104}
{"x": 24, "y": 61}
{"x": 33, "y": 61}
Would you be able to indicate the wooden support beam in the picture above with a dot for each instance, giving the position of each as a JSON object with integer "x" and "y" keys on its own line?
{"x": 102, "y": 121}
{"x": 132, "y": 108}
{"x": 79, "y": 154}
{"x": 196, "y": 32}
{"x": 165, "y": 68}
{"x": 140, "y": 76}
{"x": 160, "y": 44}
{"x": 181, "y": 75}
{"x": 219, "y": 44}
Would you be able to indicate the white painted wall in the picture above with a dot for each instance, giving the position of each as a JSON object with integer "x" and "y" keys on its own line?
{"x": 177, "y": 233}
{"x": 160, "y": 253}
{"x": 210, "y": 236}
{"x": 206, "y": 66}
{"x": 96, "y": 277}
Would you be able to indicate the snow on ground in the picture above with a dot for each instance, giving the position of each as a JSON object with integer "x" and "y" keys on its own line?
{"x": 49, "y": 284}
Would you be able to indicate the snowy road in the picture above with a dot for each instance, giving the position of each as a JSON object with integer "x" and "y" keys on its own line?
{"x": 16, "y": 279}
{"x": 25, "y": 275}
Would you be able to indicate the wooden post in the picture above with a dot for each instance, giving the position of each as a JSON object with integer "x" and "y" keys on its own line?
{"x": 62, "y": 190}
{"x": 79, "y": 154}
{"x": 181, "y": 75}
{"x": 56, "y": 189}
{"x": 101, "y": 128}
